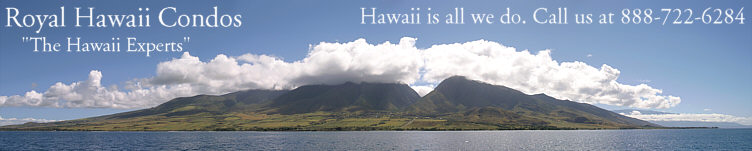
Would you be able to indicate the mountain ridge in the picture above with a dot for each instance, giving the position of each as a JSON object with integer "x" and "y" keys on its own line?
{"x": 466, "y": 94}
{"x": 348, "y": 96}
{"x": 457, "y": 103}
{"x": 669, "y": 123}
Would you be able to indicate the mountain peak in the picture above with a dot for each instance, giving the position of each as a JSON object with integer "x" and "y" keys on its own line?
{"x": 457, "y": 103}
{"x": 458, "y": 93}
{"x": 456, "y": 77}
{"x": 459, "y": 79}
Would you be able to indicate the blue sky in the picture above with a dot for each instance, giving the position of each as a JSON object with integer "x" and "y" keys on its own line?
{"x": 708, "y": 66}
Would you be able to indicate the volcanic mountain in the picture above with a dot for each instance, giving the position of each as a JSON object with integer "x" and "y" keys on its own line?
{"x": 456, "y": 104}
{"x": 458, "y": 94}
{"x": 348, "y": 97}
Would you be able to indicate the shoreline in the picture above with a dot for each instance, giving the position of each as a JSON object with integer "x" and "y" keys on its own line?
{"x": 352, "y": 130}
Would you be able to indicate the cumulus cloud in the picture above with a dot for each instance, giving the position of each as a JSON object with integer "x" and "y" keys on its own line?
{"x": 13, "y": 121}
{"x": 534, "y": 73}
{"x": 326, "y": 63}
{"x": 91, "y": 93}
{"x": 357, "y": 61}
{"x": 714, "y": 117}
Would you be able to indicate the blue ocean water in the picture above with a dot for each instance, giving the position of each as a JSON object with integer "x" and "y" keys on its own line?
{"x": 669, "y": 139}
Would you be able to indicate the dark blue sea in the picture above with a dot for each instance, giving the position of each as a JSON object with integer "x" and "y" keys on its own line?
{"x": 671, "y": 139}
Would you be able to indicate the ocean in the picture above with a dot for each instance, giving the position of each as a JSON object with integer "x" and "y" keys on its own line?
{"x": 639, "y": 139}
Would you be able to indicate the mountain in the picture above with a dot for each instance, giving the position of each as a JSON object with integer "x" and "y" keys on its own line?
{"x": 236, "y": 101}
{"x": 455, "y": 104}
{"x": 348, "y": 97}
{"x": 201, "y": 106}
{"x": 701, "y": 124}
{"x": 457, "y": 94}
{"x": 682, "y": 123}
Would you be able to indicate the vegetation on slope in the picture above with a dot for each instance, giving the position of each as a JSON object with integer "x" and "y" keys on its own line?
{"x": 456, "y": 104}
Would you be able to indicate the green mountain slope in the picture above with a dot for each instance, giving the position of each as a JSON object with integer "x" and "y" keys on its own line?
{"x": 456, "y": 104}
{"x": 458, "y": 94}
{"x": 236, "y": 101}
{"x": 348, "y": 97}
{"x": 200, "y": 105}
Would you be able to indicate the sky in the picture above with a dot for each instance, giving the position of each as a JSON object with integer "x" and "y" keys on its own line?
{"x": 698, "y": 69}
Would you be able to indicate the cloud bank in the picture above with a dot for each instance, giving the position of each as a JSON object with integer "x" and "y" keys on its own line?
{"x": 357, "y": 61}
{"x": 714, "y": 117}
{"x": 539, "y": 73}
{"x": 13, "y": 121}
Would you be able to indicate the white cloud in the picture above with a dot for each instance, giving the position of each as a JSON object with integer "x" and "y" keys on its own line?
{"x": 589, "y": 55}
{"x": 326, "y": 63}
{"x": 714, "y": 117}
{"x": 90, "y": 93}
{"x": 356, "y": 61}
{"x": 13, "y": 121}
{"x": 706, "y": 110}
{"x": 538, "y": 73}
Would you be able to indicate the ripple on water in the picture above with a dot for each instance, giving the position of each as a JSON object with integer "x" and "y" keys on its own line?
{"x": 678, "y": 139}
